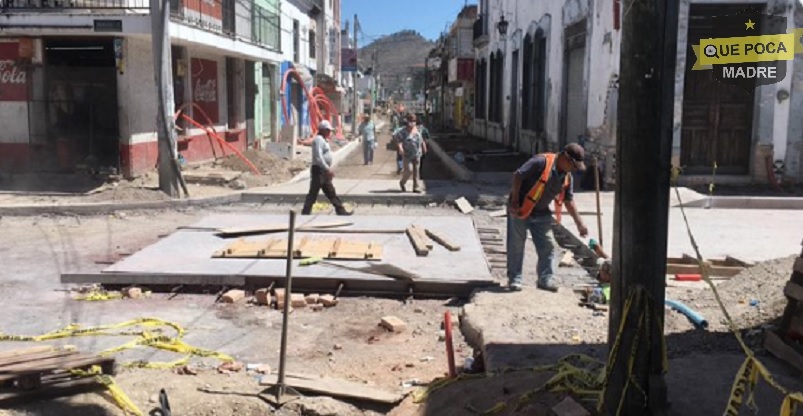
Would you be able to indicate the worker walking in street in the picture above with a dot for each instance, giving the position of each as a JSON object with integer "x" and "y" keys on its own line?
{"x": 368, "y": 132}
{"x": 410, "y": 146}
{"x": 321, "y": 173}
{"x": 539, "y": 181}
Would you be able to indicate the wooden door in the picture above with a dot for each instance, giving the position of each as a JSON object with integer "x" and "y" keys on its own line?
{"x": 717, "y": 123}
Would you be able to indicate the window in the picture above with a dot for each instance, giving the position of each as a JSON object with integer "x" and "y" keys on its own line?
{"x": 265, "y": 27}
{"x": 481, "y": 82}
{"x": 296, "y": 40}
{"x": 495, "y": 94}
{"x": 311, "y": 39}
{"x": 534, "y": 89}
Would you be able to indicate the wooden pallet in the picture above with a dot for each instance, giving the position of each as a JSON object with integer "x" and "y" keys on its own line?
{"x": 727, "y": 267}
{"x": 306, "y": 247}
{"x": 778, "y": 343}
{"x": 45, "y": 371}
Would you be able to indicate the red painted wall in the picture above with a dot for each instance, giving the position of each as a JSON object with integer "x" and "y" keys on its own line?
{"x": 141, "y": 157}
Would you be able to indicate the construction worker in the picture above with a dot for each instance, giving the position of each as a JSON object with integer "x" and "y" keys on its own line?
{"x": 321, "y": 173}
{"x": 539, "y": 181}
{"x": 368, "y": 132}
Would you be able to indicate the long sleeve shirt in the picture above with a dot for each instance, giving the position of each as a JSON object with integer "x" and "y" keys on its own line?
{"x": 321, "y": 153}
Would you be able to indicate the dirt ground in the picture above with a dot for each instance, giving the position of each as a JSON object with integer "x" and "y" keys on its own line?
{"x": 477, "y": 156}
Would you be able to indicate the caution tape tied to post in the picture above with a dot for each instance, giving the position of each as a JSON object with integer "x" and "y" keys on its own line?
{"x": 752, "y": 370}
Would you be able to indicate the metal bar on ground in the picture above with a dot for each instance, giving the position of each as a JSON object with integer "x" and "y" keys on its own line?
{"x": 599, "y": 210}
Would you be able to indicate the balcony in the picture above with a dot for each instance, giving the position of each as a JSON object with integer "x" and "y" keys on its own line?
{"x": 72, "y": 6}
{"x": 481, "y": 36}
{"x": 213, "y": 15}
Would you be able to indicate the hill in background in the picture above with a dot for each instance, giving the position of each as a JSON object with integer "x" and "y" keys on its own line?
{"x": 394, "y": 55}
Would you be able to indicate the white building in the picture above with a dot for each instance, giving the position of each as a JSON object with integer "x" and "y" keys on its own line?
{"x": 553, "y": 79}
{"x": 84, "y": 92}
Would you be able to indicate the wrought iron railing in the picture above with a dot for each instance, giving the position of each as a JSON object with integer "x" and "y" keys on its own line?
{"x": 74, "y": 4}
{"x": 266, "y": 27}
{"x": 215, "y": 15}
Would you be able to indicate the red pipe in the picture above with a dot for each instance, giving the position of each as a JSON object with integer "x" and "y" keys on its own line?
{"x": 315, "y": 98}
{"x": 210, "y": 131}
{"x": 447, "y": 322}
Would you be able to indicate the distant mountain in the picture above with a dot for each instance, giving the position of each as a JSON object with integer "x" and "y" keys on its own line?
{"x": 395, "y": 56}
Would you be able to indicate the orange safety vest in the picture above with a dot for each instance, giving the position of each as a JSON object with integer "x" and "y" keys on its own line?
{"x": 537, "y": 191}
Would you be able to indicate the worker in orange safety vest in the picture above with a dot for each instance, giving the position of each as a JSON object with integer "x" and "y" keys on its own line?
{"x": 545, "y": 178}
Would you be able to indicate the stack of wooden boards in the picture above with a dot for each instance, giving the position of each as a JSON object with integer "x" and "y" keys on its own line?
{"x": 784, "y": 343}
{"x": 47, "y": 371}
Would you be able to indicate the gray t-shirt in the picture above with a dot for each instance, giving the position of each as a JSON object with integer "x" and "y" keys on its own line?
{"x": 321, "y": 153}
{"x": 411, "y": 142}
{"x": 530, "y": 173}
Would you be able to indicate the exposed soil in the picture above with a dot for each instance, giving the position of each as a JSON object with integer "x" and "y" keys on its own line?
{"x": 481, "y": 155}
{"x": 269, "y": 165}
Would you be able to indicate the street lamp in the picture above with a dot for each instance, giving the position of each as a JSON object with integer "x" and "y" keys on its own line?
{"x": 502, "y": 26}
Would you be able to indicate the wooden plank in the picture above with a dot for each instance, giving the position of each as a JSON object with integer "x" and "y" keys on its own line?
{"x": 239, "y": 232}
{"x": 57, "y": 363}
{"x": 463, "y": 205}
{"x": 13, "y": 361}
{"x": 491, "y": 250}
{"x": 721, "y": 271}
{"x": 733, "y": 261}
{"x": 419, "y": 246}
{"x": 334, "y": 387}
{"x": 26, "y": 351}
{"x": 498, "y": 213}
{"x": 422, "y": 235}
{"x": 51, "y": 390}
{"x": 793, "y": 290}
{"x": 440, "y": 239}
{"x": 777, "y": 347}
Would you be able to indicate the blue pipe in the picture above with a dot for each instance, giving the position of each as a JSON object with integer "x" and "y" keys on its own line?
{"x": 695, "y": 318}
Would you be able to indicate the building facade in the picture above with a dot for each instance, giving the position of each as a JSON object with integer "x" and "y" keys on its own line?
{"x": 81, "y": 93}
{"x": 552, "y": 78}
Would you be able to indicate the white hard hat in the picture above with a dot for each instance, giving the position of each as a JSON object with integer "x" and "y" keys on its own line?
{"x": 325, "y": 125}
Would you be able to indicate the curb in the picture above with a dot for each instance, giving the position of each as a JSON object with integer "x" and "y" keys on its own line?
{"x": 438, "y": 198}
{"x": 101, "y": 208}
{"x": 742, "y": 202}
{"x": 458, "y": 172}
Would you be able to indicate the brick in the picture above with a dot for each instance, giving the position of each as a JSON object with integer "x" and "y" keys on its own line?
{"x": 312, "y": 298}
{"x": 316, "y": 307}
{"x": 297, "y": 300}
{"x": 279, "y": 293}
{"x": 262, "y": 297}
{"x": 327, "y": 300}
{"x": 232, "y": 296}
{"x": 393, "y": 324}
{"x": 132, "y": 292}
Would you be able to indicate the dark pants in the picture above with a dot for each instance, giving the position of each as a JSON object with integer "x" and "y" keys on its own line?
{"x": 320, "y": 181}
{"x": 421, "y": 166}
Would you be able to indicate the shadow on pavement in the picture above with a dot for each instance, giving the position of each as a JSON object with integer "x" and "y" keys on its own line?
{"x": 56, "y": 184}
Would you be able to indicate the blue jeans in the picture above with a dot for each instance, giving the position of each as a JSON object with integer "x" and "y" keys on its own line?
{"x": 368, "y": 151}
{"x": 545, "y": 245}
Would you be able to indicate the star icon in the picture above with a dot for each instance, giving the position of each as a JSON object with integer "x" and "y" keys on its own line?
{"x": 749, "y": 24}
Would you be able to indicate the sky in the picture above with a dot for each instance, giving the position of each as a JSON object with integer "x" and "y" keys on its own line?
{"x": 385, "y": 17}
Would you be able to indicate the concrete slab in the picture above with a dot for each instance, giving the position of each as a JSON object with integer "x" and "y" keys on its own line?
{"x": 184, "y": 257}
{"x": 750, "y": 234}
{"x": 527, "y": 328}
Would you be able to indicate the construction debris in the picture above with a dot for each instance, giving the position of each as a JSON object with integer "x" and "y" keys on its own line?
{"x": 334, "y": 387}
{"x": 297, "y": 300}
{"x": 393, "y": 324}
{"x": 440, "y": 239}
{"x": 567, "y": 260}
{"x": 262, "y": 297}
{"x": 312, "y": 298}
{"x": 498, "y": 213}
{"x": 727, "y": 267}
{"x": 132, "y": 292}
{"x": 419, "y": 240}
{"x": 327, "y": 301}
{"x": 463, "y": 205}
{"x": 240, "y": 232}
{"x": 233, "y": 296}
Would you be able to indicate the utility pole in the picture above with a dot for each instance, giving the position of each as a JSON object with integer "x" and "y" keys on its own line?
{"x": 170, "y": 177}
{"x": 354, "y": 82}
{"x": 643, "y": 151}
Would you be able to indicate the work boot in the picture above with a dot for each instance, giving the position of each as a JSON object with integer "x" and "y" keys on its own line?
{"x": 403, "y": 188}
{"x": 548, "y": 285}
{"x": 344, "y": 212}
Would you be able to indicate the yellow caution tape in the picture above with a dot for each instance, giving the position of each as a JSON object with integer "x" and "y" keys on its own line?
{"x": 752, "y": 368}
{"x": 119, "y": 396}
{"x": 100, "y": 296}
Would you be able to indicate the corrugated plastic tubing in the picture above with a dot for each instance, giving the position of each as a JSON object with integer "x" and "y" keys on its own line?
{"x": 697, "y": 319}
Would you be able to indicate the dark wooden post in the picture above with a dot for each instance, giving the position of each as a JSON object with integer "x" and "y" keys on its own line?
{"x": 644, "y": 146}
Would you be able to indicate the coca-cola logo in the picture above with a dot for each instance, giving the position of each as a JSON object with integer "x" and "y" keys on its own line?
{"x": 206, "y": 91}
{"x": 10, "y": 73}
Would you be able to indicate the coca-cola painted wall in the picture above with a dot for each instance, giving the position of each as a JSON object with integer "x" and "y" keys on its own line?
{"x": 13, "y": 77}
{"x": 211, "y": 8}
{"x": 204, "y": 89}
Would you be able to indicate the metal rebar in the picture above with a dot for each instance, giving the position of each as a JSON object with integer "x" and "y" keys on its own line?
{"x": 599, "y": 211}
{"x": 287, "y": 295}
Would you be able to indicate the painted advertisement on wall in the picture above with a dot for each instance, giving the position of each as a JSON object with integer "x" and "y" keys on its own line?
{"x": 210, "y": 8}
{"x": 13, "y": 76}
{"x": 205, "y": 88}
